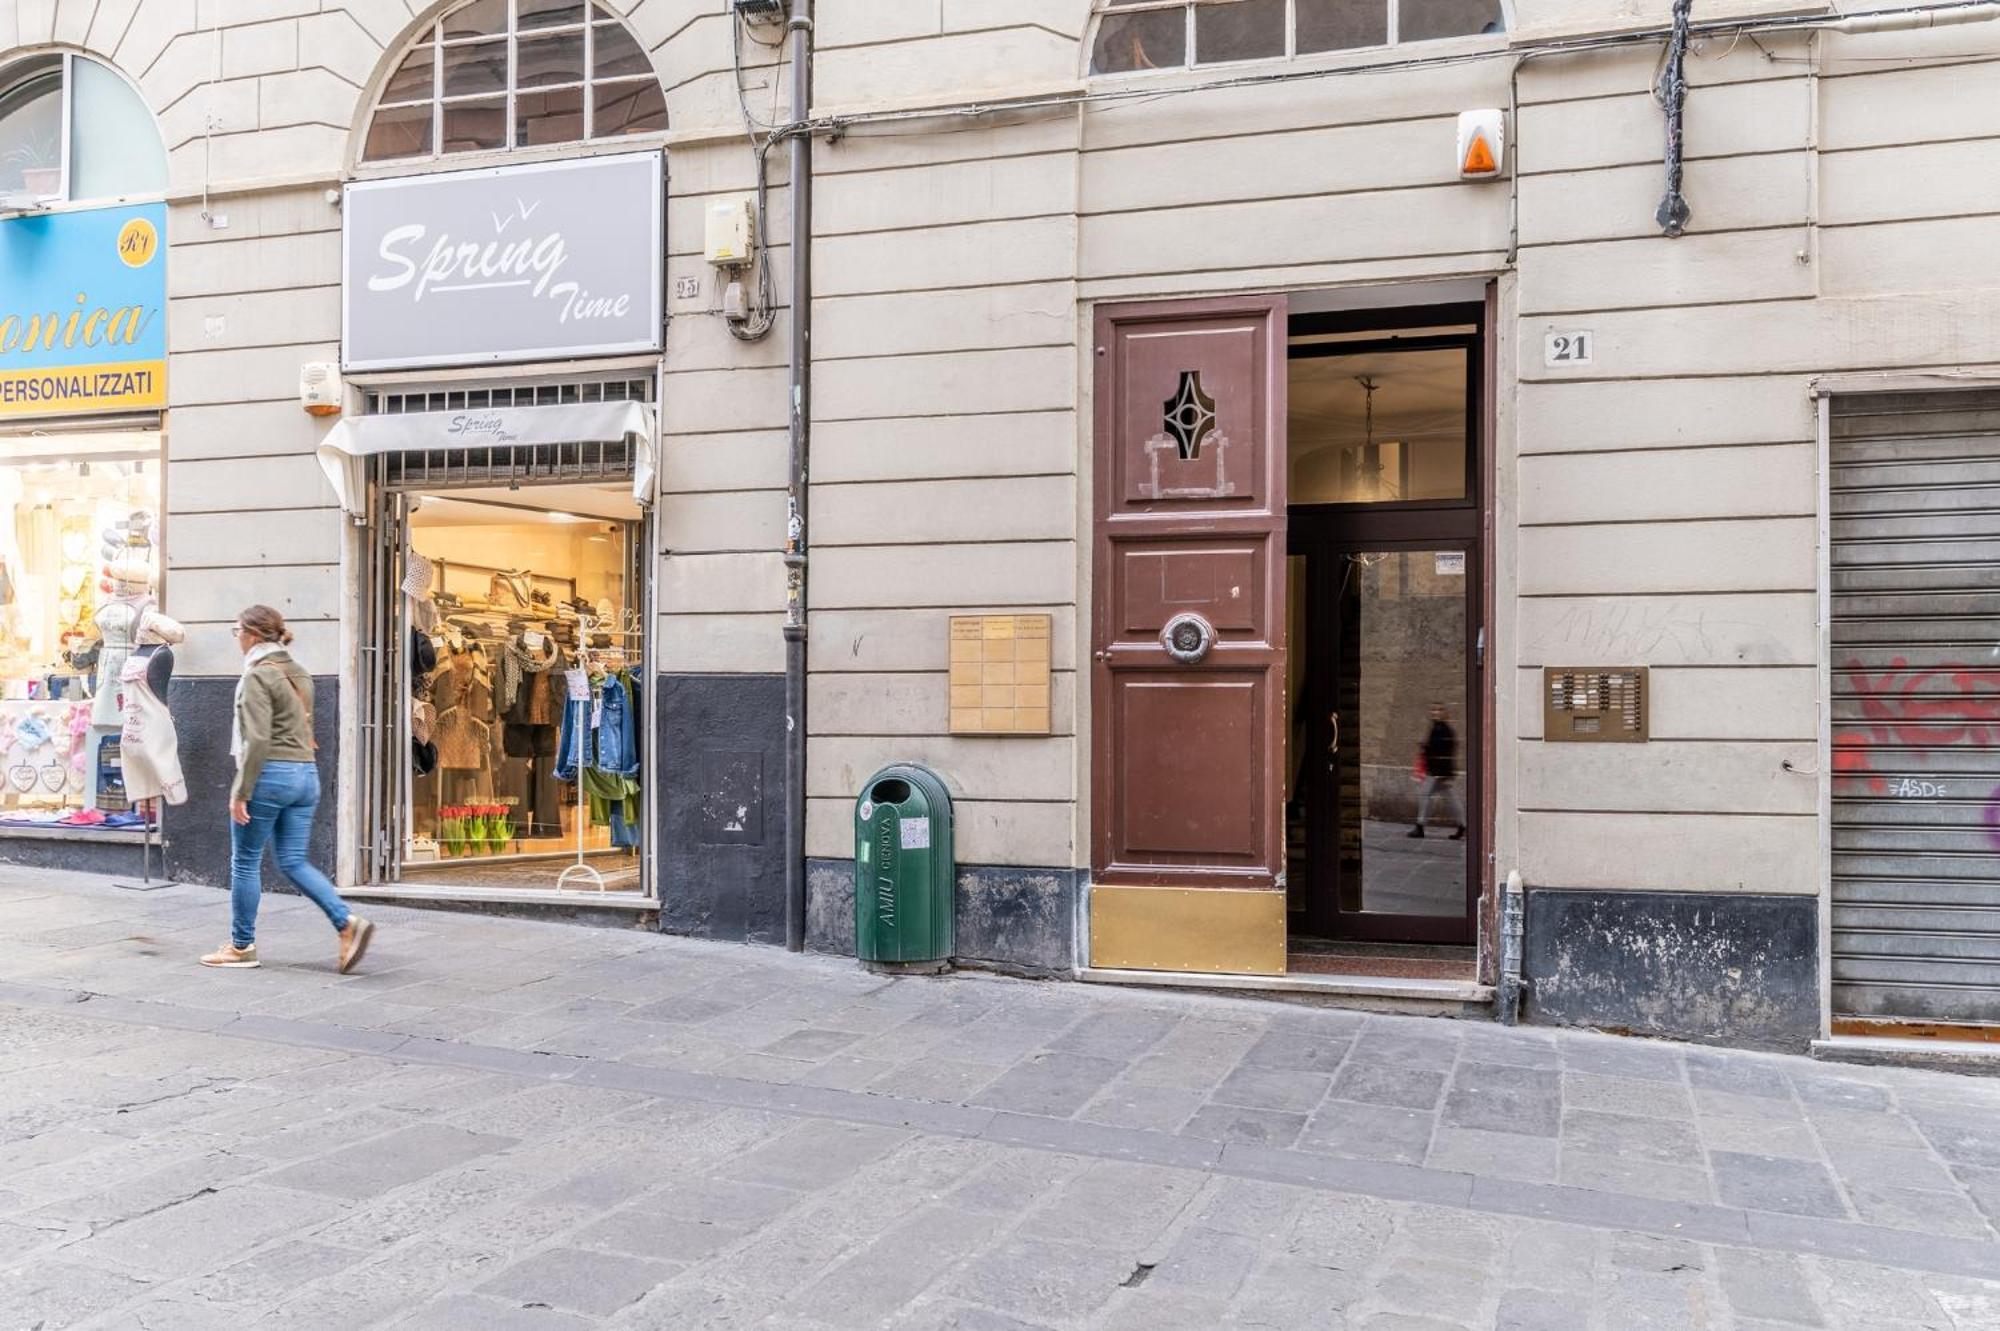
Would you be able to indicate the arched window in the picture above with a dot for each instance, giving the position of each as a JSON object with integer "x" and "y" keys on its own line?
{"x": 493, "y": 75}
{"x": 1137, "y": 35}
{"x": 73, "y": 130}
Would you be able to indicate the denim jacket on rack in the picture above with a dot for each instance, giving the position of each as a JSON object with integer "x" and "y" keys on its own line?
{"x": 612, "y": 746}
{"x": 617, "y": 742}
{"x": 573, "y": 747}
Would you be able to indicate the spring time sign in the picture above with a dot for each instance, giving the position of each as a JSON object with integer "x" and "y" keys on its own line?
{"x": 83, "y": 322}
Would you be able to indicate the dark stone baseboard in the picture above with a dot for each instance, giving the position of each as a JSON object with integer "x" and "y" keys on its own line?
{"x": 1020, "y": 919}
{"x": 1716, "y": 968}
{"x": 721, "y": 839}
{"x": 198, "y": 831}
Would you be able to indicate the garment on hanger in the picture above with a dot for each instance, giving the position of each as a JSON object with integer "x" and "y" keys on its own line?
{"x": 617, "y": 738}
{"x": 462, "y": 682}
{"x": 463, "y": 741}
{"x": 519, "y": 668}
{"x": 148, "y": 744}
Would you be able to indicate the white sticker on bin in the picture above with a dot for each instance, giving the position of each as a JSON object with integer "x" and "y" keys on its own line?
{"x": 916, "y": 833}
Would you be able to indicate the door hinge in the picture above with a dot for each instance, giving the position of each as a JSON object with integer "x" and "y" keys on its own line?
{"x": 1479, "y": 650}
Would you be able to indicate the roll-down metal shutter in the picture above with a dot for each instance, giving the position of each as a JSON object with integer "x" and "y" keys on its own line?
{"x": 1915, "y": 491}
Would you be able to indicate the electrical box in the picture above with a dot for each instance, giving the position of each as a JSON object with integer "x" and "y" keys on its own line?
{"x": 732, "y": 231}
{"x": 1599, "y": 705}
{"x": 1482, "y": 144}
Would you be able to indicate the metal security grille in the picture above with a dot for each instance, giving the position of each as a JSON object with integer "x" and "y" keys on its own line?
{"x": 1915, "y": 494}
{"x": 459, "y": 468}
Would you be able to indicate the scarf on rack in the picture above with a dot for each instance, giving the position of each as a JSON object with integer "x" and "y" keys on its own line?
{"x": 250, "y": 660}
{"x": 516, "y": 665}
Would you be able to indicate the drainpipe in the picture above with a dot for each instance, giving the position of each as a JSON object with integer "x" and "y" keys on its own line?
{"x": 800, "y": 27}
{"x": 1513, "y": 940}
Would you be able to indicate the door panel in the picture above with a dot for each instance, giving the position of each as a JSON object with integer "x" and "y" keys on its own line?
{"x": 1216, "y": 579}
{"x": 1190, "y": 484}
{"x": 1213, "y": 813}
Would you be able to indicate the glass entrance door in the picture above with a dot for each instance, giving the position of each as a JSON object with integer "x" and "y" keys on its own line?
{"x": 1384, "y": 533}
{"x": 1385, "y": 782}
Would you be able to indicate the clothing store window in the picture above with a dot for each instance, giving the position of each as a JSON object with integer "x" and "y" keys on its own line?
{"x": 525, "y": 620}
{"x": 73, "y": 130}
{"x": 79, "y": 570}
{"x": 496, "y": 75}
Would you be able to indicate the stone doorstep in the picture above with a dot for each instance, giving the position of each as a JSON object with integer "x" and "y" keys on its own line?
{"x": 1970, "y": 1057}
{"x": 1402, "y": 990}
{"x": 580, "y": 906}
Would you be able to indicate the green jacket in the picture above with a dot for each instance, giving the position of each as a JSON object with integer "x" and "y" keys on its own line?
{"x": 274, "y": 719}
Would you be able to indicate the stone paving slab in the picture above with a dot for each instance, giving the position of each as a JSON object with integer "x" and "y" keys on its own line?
{"x": 504, "y": 1123}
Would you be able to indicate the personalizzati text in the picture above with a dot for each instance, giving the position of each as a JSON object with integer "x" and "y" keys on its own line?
{"x": 449, "y": 265}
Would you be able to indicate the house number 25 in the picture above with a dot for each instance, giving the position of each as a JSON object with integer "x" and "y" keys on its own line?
{"x": 1562, "y": 350}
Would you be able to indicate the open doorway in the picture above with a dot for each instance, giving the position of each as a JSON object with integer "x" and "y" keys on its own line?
{"x": 1384, "y": 674}
{"x": 524, "y": 709}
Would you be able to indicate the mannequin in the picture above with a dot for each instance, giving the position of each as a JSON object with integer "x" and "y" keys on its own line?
{"x": 149, "y": 742}
{"x": 118, "y": 620}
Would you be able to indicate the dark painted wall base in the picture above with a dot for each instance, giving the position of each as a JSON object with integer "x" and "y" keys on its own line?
{"x": 197, "y": 832}
{"x": 721, "y": 840}
{"x": 1709, "y": 967}
{"x": 1019, "y": 919}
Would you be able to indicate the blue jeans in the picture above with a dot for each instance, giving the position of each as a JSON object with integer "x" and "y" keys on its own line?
{"x": 281, "y": 810}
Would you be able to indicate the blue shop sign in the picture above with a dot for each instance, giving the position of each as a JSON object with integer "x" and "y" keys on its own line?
{"x": 83, "y": 311}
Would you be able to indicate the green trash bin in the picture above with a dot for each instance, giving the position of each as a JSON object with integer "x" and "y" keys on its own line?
{"x": 903, "y": 871}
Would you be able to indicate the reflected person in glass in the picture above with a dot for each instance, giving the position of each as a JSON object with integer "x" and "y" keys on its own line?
{"x": 1438, "y": 756}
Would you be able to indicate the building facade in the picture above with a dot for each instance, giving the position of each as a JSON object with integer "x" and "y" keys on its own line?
{"x": 1241, "y": 438}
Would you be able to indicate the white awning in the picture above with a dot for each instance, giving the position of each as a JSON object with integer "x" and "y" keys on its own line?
{"x": 342, "y": 453}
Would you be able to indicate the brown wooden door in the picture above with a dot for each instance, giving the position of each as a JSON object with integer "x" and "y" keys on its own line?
{"x": 1187, "y": 756}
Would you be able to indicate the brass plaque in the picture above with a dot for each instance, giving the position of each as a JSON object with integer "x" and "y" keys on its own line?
{"x": 1599, "y": 705}
{"x": 1000, "y": 674}
{"x": 1212, "y": 930}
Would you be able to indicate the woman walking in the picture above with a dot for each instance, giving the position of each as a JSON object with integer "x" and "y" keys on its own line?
{"x": 276, "y": 791}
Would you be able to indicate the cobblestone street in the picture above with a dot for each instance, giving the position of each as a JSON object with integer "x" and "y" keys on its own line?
{"x": 503, "y": 1124}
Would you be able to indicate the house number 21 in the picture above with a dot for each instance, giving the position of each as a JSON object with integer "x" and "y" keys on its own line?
{"x": 1565, "y": 349}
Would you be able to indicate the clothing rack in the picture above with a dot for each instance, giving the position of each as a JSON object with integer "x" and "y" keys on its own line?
{"x": 582, "y": 869}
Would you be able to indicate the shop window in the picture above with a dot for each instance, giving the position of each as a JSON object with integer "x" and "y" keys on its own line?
{"x": 73, "y": 130}
{"x": 1137, "y": 35}
{"x": 79, "y": 573}
{"x": 496, "y": 75}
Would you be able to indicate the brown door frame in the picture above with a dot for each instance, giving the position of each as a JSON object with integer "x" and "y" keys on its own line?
{"x": 1116, "y": 652}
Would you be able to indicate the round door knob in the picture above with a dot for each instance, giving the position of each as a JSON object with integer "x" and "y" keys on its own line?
{"x": 1187, "y": 637}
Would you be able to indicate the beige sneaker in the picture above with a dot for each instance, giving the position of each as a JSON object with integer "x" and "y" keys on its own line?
{"x": 233, "y": 957}
{"x": 354, "y": 941}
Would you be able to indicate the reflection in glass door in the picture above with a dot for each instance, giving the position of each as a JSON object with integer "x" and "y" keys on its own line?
{"x": 1400, "y": 761}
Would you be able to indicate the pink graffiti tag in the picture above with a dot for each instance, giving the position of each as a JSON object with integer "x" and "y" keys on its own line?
{"x": 1900, "y": 712}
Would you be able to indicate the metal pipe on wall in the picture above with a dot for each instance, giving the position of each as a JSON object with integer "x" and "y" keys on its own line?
{"x": 799, "y": 27}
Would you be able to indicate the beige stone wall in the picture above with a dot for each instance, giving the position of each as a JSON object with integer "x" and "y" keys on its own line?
{"x": 1657, "y": 508}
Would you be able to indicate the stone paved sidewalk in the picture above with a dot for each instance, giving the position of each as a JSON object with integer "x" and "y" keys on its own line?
{"x": 506, "y": 1124}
